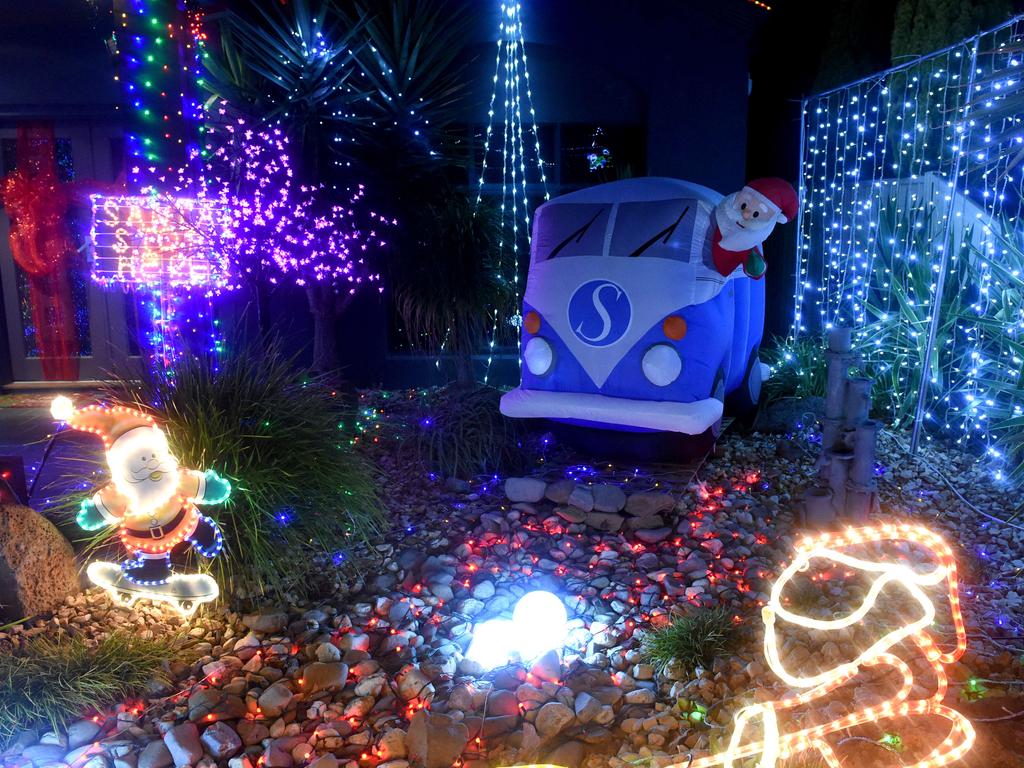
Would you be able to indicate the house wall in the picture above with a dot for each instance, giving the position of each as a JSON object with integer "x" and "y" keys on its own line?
{"x": 679, "y": 68}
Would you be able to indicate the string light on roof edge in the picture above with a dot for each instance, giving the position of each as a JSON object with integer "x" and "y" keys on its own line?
{"x": 511, "y": 72}
{"x": 906, "y": 183}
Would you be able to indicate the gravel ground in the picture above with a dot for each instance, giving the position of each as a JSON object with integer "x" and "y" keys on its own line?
{"x": 375, "y": 674}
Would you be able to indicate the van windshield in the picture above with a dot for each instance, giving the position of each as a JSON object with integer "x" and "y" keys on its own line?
{"x": 667, "y": 229}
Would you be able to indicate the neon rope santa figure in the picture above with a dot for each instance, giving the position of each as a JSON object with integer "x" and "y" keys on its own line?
{"x": 153, "y": 501}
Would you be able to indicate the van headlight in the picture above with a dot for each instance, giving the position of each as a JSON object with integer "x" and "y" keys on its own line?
{"x": 662, "y": 365}
{"x": 538, "y": 356}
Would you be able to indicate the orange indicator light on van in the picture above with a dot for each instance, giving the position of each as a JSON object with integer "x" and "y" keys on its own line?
{"x": 674, "y": 327}
{"x": 531, "y": 322}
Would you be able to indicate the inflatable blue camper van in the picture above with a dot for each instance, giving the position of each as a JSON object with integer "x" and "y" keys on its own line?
{"x": 627, "y": 325}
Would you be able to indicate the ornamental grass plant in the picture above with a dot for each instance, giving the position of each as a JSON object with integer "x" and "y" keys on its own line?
{"x": 798, "y": 368}
{"x": 451, "y": 290}
{"x": 460, "y": 432}
{"x": 51, "y": 682}
{"x": 299, "y": 492}
{"x": 692, "y": 640}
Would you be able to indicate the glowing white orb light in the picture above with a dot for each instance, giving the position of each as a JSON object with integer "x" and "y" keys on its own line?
{"x": 539, "y": 624}
{"x": 492, "y": 643}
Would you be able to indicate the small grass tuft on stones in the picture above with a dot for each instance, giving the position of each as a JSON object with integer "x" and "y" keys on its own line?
{"x": 50, "y": 682}
{"x": 693, "y": 640}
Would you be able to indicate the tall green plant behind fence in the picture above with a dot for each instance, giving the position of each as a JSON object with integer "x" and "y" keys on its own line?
{"x": 912, "y": 190}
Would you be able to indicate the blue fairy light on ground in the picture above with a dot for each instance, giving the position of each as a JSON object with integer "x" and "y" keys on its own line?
{"x": 580, "y": 472}
{"x": 285, "y": 515}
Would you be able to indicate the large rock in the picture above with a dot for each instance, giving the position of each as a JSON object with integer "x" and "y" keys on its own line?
{"x": 649, "y": 503}
{"x": 608, "y": 498}
{"x": 392, "y": 745}
{"x": 582, "y": 498}
{"x": 155, "y": 755}
{"x": 568, "y": 755}
{"x": 529, "y": 489}
{"x": 559, "y": 491}
{"x": 604, "y": 521}
{"x": 82, "y": 732}
{"x": 266, "y": 622}
{"x": 651, "y": 521}
{"x": 552, "y": 718}
{"x": 587, "y": 707}
{"x": 571, "y": 514}
{"x": 275, "y": 699}
{"x": 251, "y": 732}
{"x": 42, "y": 754}
{"x": 653, "y": 535}
{"x": 413, "y": 684}
{"x": 324, "y": 676}
{"x": 37, "y": 564}
{"x": 210, "y": 704}
{"x": 221, "y": 740}
{"x": 435, "y": 740}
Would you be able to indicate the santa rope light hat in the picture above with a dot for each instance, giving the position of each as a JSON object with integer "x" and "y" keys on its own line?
{"x": 109, "y": 423}
{"x": 778, "y": 193}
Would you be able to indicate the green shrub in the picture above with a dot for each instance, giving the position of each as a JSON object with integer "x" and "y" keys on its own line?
{"x": 298, "y": 490}
{"x": 461, "y": 433}
{"x": 50, "y": 682}
{"x": 799, "y": 367}
{"x": 450, "y": 290}
{"x": 693, "y": 640}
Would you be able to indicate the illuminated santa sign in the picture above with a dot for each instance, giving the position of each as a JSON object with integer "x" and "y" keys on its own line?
{"x": 142, "y": 240}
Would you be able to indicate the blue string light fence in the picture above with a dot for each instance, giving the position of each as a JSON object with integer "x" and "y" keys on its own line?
{"x": 912, "y": 190}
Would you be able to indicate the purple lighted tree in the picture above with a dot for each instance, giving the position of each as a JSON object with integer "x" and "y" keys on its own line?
{"x": 280, "y": 231}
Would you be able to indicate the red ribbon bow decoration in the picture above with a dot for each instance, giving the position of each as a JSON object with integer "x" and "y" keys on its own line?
{"x": 37, "y": 204}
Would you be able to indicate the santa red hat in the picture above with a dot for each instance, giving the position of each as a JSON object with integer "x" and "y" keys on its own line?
{"x": 109, "y": 423}
{"x": 779, "y": 193}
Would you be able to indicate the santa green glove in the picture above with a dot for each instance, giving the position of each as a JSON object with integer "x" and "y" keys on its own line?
{"x": 755, "y": 265}
{"x": 89, "y": 517}
{"x": 215, "y": 490}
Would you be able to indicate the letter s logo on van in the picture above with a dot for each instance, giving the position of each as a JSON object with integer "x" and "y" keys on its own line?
{"x": 599, "y": 313}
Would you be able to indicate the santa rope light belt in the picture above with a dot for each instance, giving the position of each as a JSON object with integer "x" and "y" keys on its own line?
{"x": 153, "y": 501}
{"x": 775, "y": 745}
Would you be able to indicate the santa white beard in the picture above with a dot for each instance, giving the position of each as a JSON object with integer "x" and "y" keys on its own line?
{"x": 737, "y": 234}
{"x": 149, "y": 488}
{"x": 144, "y": 469}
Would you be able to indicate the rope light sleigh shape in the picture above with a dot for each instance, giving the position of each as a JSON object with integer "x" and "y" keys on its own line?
{"x": 777, "y": 746}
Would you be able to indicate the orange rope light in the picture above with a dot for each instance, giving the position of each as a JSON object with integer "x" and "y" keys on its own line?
{"x": 776, "y": 746}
